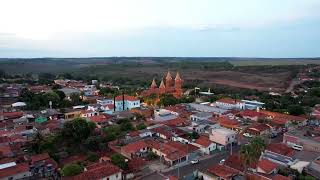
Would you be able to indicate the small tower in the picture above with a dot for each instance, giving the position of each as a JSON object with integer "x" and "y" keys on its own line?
{"x": 178, "y": 84}
{"x": 169, "y": 82}
{"x": 153, "y": 84}
{"x": 162, "y": 87}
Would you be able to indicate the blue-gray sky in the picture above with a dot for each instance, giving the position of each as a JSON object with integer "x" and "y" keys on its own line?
{"x": 82, "y": 28}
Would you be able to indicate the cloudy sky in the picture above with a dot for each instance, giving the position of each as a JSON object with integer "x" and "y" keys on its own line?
{"x": 82, "y": 28}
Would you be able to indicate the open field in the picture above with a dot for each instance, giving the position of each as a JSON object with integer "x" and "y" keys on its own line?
{"x": 260, "y": 74}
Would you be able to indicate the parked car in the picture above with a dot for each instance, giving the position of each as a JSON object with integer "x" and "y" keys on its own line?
{"x": 247, "y": 135}
{"x": 195, "y": 161}
{"x": 222, "y": 161}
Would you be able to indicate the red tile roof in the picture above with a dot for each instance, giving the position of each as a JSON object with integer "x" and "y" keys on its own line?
{"x": 136, "y": 163}
{"x": 99, "y": 171}
{"x": 39, "y": 157}
{"x": 251, "y": 113}
{"x": 234, "y": 161}
{"x": 280, "y": 148}
{"x": 134, "y": 147}
{"x": 267, "y": 166}
{"x": 226, "y": 122}
{"x": 176, "y": 122}
{"x": 203, "y": 141}
{"x": 11, "y": 171}
{"x": 99, "y": 118}
{"x": 227, "y": 101}
{"x": 126, "y": 98}
{"x": 222, "y": 171}
{"x": 12, "y": 115}
{"x": 259, "y": 127}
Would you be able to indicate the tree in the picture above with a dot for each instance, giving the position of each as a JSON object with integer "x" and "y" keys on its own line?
{"x": 251, "y": 153}
{"x": 120, "y": 161}
{"x": 93, "y": 157}
{"x": 92, "y": 143}
{"x": 46, "y": 78}
{"x": 193, "y": 135}
{"x": 51, "y": 96}
{"x": 296, "y": 110}
{"x": 60, "y": 94}
{"x": 141, "y": 126}
{"x": 75, "y": 98}
{"x": 168, "y": 99}
{"x": 77, "y": 131}
{"x": 71, "y": 170}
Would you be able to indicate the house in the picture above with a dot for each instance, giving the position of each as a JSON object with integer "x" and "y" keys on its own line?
{"x": 235, "y": 161}
{"x": 228, "y": 123}
{"x": 229, "y": 103}
{"x": 89, "y": 113}
{"x": 267, "y": 167}
{"x": 164, "y": 115}
{"x": 200, "y": 116}
{"x": 253, "y": 115}
{"x": 223, "y": 136}
{"x": 101, "y": 120}
{"x": 258, "y": 129}
{"x": 166, "y": 132}
{"x": 126, "y": 102}
{"x": 13, "y": 171}
{"x": 206, "y": 146}
{"x": 41, "y": 165}
{"x": 98, "y": 171}
{"x": 248, "y": 104}
{"x": 135, "y": 149}
{"x": 279, "y": 153}
{"x": 217, "y": 172}
{"x": 70, "y": 114}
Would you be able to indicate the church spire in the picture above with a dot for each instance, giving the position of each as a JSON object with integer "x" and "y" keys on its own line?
{"x": 162, "y": 87}
{"x": 153, "y": 84}
{"x": 178, "y": 78}
{"x": 169, "y": 82}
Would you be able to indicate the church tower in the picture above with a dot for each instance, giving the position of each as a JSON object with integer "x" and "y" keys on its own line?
{"x": 162, "y": 88}
{"x": 169, "y": 82}
{"x": 178, "y": 84}
{"x": 153, "y": 84}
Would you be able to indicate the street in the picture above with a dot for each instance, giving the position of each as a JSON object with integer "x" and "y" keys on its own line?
{"x": 202, "y": 165}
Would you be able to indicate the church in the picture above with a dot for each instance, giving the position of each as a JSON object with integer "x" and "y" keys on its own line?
{"x": 169, "y": 86}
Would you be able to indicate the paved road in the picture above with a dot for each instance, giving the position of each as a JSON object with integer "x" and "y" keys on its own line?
{"x": 202, "y": 165}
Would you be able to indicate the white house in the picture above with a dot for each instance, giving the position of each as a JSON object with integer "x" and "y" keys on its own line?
{"x": 125, "y": 102}
{"x": 206, "y": 146}
{"x": 229, "y": 103}
{"x": 200, "y": 116}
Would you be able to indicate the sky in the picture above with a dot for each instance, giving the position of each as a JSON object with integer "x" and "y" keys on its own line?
{"x": 195, "y": 28}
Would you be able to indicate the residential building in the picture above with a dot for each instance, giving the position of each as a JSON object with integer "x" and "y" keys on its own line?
{"x": 218, "y": 171}
{"x": 265, "y": 166}
{"x": 104, "y": 170}
{"x": 279, "y": 153}
{"x": 206, "y": 146}
{"x": 223, "y": 136}
{"x": 229, "y": 103}
{"x": 253, "y": 105}
{"x": 200, "y": 116}
{"x": 14, "y": 171}
{"x": 125, "y": 102}
{"x": 164, "y": 115}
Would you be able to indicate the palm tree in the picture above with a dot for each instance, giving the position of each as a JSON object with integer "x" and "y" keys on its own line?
{"x": 247, "y": 155}
{"x": 259, "y": 145}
